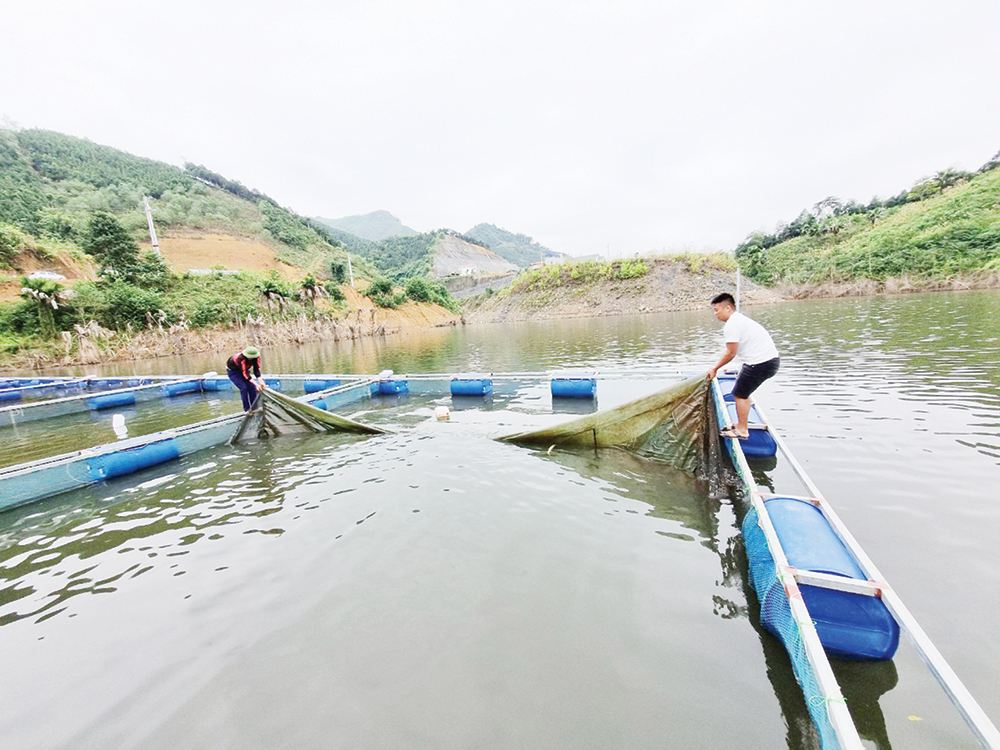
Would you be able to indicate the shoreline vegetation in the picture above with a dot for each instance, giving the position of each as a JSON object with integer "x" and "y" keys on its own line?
{"x": 77, "y": 288}
{"x": 667, "y": 284}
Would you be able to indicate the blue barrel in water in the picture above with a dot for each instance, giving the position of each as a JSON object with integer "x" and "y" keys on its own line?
{"x": 217, "y": 384}
{"x": 314, "y": 386}
{"x": 128, "y": 461}
{"x": 471, "y": 385}
{"x": 176, "y": 389}
{"x": 850, "y": 626}
{"x": 390, "y": 386}
{"x": 574, "y": 386}
{"x": 9, "y": 395}
{"x": 111, "y": 400}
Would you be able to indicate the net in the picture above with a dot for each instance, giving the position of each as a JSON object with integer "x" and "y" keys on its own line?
{"x": 669, "y": 425}
{"x": 275, "y": 414}
{"x": 776, "y": 616}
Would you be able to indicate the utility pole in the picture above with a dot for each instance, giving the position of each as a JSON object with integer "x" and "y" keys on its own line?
{"x": 350, "y": 271}
{"x": 152, "y": 229}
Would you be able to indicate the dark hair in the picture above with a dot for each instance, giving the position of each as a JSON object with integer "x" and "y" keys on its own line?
{"x": 724, "y": 299}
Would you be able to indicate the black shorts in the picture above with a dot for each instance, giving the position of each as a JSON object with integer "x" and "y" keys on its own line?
{"x": 751, "y": 376}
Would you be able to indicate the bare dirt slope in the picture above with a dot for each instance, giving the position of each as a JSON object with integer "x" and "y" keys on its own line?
{"x": 454, "y": 255}
{"x": 408, "y": 315}
{"x": 669, "y": 285}
{"x": 188, "y": 250}
{"x": 63, "y": 264}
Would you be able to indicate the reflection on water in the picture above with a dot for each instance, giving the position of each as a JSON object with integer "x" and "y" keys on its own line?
{"x": 486, "y": 578}
{"x": 450, "y": 591}
{"x": 30, "y": 441}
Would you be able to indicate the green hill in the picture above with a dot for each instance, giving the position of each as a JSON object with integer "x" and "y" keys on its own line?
{"x": 50, "y": 185}
{"x": 376, "y": 226}
{"x": 436, "y": 254}
{"x": 944, "y": 227}
{"x": 519, "y": 249}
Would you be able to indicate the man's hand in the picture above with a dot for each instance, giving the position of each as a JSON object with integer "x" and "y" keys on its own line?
{"x": 710, "y": 375}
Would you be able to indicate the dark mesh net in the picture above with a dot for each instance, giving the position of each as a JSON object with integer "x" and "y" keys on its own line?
{"x": 671, "y": 425}
{"x": 274, "y": 414}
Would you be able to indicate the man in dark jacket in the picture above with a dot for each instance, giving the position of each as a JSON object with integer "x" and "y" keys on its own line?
{"x": 243, "y": 369}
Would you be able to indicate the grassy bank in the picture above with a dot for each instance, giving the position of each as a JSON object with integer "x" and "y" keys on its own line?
{"x": 943, "y": 233}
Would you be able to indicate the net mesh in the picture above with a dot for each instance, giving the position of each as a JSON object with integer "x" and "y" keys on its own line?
{"x": 776, "y": 616}
{"x": 275, "y": 414}
{"x": 668, "y": 425}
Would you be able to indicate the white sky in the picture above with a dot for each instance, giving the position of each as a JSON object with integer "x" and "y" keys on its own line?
{"x": 634, "y": 125}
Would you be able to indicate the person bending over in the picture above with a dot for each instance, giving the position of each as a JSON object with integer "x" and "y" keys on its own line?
{"x": 243, "y": 369}
{"x": 747, "y": 340}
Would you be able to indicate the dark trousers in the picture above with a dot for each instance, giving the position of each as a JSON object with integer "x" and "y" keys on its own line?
{"x": 248, "y": 391}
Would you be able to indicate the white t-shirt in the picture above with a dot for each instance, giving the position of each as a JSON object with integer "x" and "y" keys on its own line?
{"x": 753, "y": 343}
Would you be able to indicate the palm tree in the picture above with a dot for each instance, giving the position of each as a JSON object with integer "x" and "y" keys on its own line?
{"x": 46, "y": 294}
{"x": 273, "y": 293}
{"x": 311, "y": 290}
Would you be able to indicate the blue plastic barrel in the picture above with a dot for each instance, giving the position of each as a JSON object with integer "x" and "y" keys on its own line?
{"x": 850, "y": 626}
{"x": 574, "y": 386}
{"x": 111, "y": 400}
{"x": 313, "y": 386}
{"x": 471, "y": 385}
{"x": 390, "y": 387}
{"x": 319, "y": 404}
{"x": 176, "y": 389}
{"x": 10, "y": 395}
{"x": 128, "y": 461}
{"x": 107, "y": 383}
{"x": 217, "y": 384}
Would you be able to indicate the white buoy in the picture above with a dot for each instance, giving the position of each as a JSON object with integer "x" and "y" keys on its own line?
{"x": 118, "y": 425}
{"x": 442, "y": 414}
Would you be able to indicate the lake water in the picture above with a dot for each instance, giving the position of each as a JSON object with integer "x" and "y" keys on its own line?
{"x": 436, "y": 589}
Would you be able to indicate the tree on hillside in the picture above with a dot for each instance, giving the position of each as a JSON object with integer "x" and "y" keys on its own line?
{"x": 311, "y": 290}
{"x": 274, "y": 293}
{"x": 45, "y": 293}
{"x": 948, "y": 177}
{"x": 111, "y": 244}
{"x": 829, "y": 206}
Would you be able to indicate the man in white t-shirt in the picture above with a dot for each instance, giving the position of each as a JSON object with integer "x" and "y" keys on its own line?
{"x": 746, "y": 339}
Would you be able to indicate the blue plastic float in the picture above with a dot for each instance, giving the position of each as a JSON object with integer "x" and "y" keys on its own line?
{"x": 471, "y": 385}
{"x": 128, "y": 461}
{"x": 574, "y": 384}
{"x": 111, "y": 400}
{"x": 850, "y": 625}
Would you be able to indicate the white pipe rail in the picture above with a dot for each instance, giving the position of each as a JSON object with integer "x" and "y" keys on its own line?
{"x": 836, "y": 707}
{"x": 973, "y": 714}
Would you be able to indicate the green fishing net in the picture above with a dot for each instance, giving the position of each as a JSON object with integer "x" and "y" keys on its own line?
{"x": 676, "y": 425}
{"x": 276, "y": 414}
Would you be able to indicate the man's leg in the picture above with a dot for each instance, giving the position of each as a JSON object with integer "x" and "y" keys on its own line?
{"x": 749, "y": 380}
{"x": 742, "y": 416}
{"x": 243, "y": 384}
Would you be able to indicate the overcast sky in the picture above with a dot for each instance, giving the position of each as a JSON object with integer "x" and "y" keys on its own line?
{"x": 631, "y": 125}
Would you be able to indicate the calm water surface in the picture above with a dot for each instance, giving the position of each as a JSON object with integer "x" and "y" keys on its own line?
{"x": 437, "y": 589}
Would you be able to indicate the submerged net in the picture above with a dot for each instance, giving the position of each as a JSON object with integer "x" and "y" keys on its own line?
{"x": 776, "y": 615}
{"x": 274, "y": 414}
{"x": 671, "y": 425}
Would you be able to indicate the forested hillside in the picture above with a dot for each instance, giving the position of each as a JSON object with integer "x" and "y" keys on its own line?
{"x": 519, "y": 249}
{"x": 945, "y": 227}
{"x": 74, "y": 210}
{"x": 376, "y": 226}
{"x": 401, "y": 257}
{"x": 50, "y": 184}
